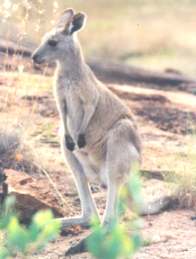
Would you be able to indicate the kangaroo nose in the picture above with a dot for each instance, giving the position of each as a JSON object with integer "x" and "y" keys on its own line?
{"x": 35, "y": 58}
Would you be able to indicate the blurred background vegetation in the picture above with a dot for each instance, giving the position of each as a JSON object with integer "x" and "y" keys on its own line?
{"x": 155, "y": 34}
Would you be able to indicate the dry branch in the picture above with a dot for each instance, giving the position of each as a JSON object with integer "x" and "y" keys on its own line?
{"x": 128, "y": 74}
{"x": 115, "y": 72}
{"x": 12, "y": 48}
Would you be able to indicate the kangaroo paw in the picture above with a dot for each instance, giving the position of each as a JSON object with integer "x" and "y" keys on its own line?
{"x": 69, "y": 142}
{"x": 77, "y": 248}
{"x": 81, "y": 141}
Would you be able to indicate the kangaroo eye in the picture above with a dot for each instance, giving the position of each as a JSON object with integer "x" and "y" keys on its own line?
{"x": 52, "y": 43}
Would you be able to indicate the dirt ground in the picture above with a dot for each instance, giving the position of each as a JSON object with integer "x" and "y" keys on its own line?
{"x": 172, "y": 236}
{"x": 165, "y": 119}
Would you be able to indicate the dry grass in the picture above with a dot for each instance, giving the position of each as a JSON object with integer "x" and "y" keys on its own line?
{"x": 180, "y": 160}
{"x": 183, "y": 165}
{"x": 144, "y": 33}
{"x": 152, "y": 34}
{"x": 22, "y": 115}
{"x": 25, "y": 135}
{"x": 40, "y": 135}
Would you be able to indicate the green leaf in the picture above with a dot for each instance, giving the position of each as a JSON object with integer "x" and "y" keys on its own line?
{"x": 7, "y": 212}
{"x": 43, "y": 228}
{"x": 42, "y": 218}
{"x": 134, "y": 188}
{"x": 3, "y": 253}
{"x": 137, "y": 241}
{"x": 17, "y": 236}
{"x": 9, "y": 204}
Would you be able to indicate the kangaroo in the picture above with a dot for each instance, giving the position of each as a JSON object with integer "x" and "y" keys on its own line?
{"x": 99, "y": 138}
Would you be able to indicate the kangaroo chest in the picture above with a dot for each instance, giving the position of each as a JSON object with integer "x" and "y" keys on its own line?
{"x": 74, "y": 108}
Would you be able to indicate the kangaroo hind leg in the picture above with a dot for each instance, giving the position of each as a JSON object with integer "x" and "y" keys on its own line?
{"x": 87, "y": 203}
{"x": 121, "y": 156}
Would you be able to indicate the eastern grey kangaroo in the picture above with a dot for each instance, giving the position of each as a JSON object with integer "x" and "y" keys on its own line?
{"x": 99, "y": 137}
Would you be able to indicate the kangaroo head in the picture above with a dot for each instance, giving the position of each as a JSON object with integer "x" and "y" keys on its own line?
{"x": 57, "y": 44}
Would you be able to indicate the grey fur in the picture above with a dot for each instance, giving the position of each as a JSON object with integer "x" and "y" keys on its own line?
{"x": 91, "y": 115}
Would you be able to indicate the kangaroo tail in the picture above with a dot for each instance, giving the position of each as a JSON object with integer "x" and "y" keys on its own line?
{"x": 157, "y": 206}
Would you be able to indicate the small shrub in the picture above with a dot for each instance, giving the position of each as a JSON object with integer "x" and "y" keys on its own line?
{"x": 18, "y": 240}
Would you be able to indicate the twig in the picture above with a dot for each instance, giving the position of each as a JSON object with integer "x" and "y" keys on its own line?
{"x": 4, "y": 188}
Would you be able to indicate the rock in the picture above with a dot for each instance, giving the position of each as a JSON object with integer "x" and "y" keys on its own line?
{"x": 31, "y": 195}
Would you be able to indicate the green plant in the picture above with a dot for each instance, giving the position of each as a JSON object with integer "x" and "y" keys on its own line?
{"x": 118, "y": 240}
{"x": 18, "y": 240}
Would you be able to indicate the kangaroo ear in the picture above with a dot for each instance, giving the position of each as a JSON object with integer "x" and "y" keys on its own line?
{"x": 65, "y": 19}
{"x": 78, "y": 22}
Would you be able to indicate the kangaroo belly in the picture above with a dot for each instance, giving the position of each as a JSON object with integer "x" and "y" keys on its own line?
{"x": 92, "y": 160}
